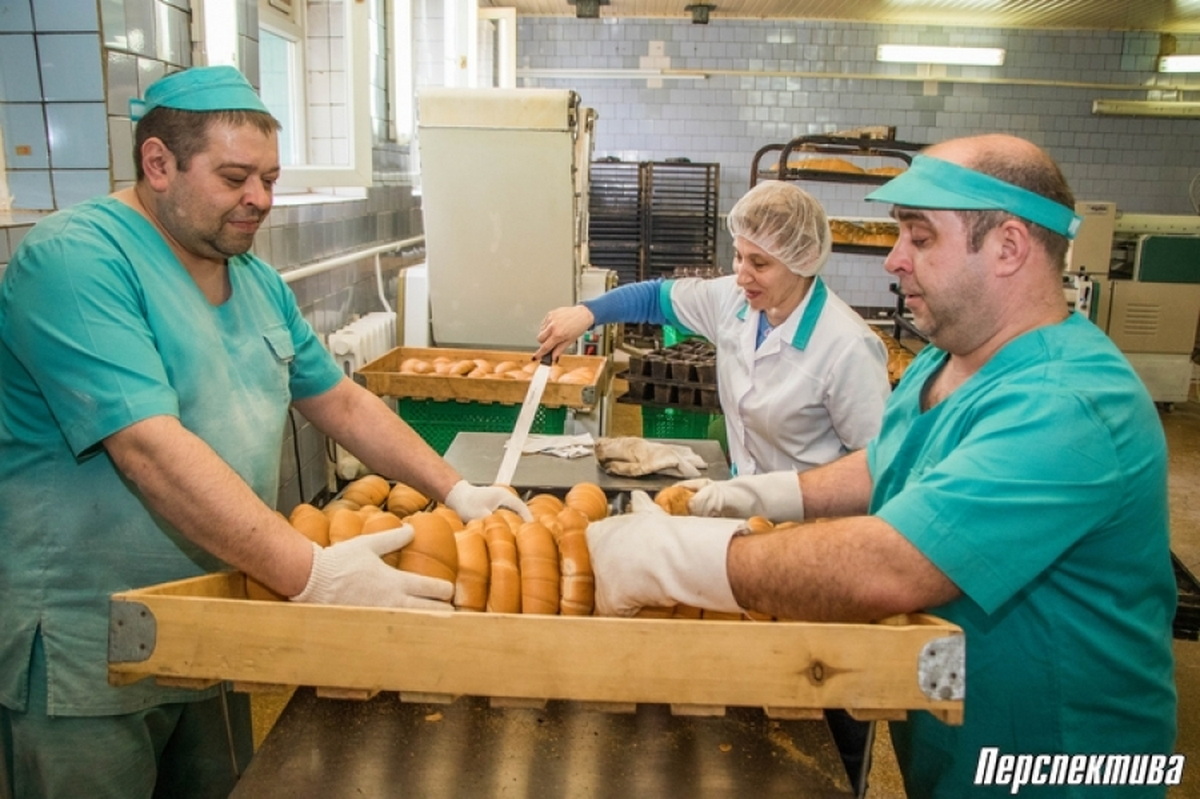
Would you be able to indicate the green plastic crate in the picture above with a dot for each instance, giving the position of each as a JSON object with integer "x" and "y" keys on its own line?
{"x": 677, "y": 423}
{"x": 439, "y": 421}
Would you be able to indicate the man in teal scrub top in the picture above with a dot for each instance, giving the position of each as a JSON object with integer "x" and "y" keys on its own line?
{"x": 1017, "y": 488}
{"x": 147, "y": 365}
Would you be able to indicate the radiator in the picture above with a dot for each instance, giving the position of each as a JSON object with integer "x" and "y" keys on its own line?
{"x": 369, "y": 337}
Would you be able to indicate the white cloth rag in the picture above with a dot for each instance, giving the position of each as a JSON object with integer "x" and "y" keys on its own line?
{"x": 576, "y": 446}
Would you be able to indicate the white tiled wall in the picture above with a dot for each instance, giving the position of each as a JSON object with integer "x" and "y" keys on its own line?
{"x": 1143, "y": 164}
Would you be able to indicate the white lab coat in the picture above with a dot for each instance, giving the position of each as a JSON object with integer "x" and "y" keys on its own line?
{"x": 812, "y": 392}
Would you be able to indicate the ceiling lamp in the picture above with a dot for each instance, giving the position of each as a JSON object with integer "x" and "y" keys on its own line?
{"x": 919, "y": 54}
{"x": 699, "y": 12}
{"x": 1179, "y": 63}
{"x": 587, "y": 9}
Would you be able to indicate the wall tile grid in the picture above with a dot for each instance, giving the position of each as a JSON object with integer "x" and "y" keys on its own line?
{"x": 1145, "y": 164}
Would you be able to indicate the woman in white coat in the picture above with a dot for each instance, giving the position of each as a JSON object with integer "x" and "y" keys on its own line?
{"x": 802, "y": 380}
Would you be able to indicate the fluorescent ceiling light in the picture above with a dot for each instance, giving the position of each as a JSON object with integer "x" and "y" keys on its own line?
{"x": 1179, "y": 63}
{"x": 919, "y": 54}
{"x": 1145, "y": 108}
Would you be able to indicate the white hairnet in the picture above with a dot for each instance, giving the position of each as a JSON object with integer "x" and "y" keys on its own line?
{"x": 786, "y": 222}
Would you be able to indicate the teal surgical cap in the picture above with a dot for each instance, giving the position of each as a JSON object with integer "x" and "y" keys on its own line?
{"x": 220, "y": 88}
{"x": 937, "y": 184}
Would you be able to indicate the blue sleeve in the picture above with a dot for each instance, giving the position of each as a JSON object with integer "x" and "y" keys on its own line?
{"x": 633, "y": 303}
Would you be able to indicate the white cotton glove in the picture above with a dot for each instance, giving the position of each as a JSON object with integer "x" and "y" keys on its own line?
{"x": 475, "y": 502}
{"x": 775, "y": 495}
{"x": 653, "y": 560}
{"x": 630, "y": 456}
{"x": 352, "y": 573}
{"x": 640, "y": 502}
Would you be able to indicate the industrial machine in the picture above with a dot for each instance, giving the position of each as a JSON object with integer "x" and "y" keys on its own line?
{"x": 504, "y": 182}
{"x": 1138, "y": 277}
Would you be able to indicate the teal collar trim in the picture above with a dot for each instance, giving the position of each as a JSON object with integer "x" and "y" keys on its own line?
{"x": 808, "y": 322}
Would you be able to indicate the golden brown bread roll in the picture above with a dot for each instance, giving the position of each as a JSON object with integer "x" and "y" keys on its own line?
{"x": 453, "y": 519}
{"x": 377, "y": 523}
{"x": 510, "y": 518}
{"x": 504, "y": 587}
{"x": 462, "y": 367}
{"x": 674, "y": 500}
{"x": 369, "y": 490}
{"x": 433, "y": 551}
{"x": 582, "y": 376}
{"x": 759, "y": 524}
{"x": 889, "y": 171}
{"x": 544, "y": 505}
{"x": 577, "y": 587}
{"x": 311, "y": 522}
{"x": 344, "y": 524}
{"x": 537, "y": 559}
{"x": 826, "y": 165}
{"x": 335, "y": 505}
{"x": 404, "y": 500}
{"x": 589, "y": 499}
{"x": 380, "y": 521}
{"x": 474, "y": 568}
{"x": 505, "y": 366}
{"x": 415, "y": 366}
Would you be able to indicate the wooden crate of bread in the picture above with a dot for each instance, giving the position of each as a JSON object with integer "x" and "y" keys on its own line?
{"x": 470, "y": 375}
{"x": 202, "y": 630}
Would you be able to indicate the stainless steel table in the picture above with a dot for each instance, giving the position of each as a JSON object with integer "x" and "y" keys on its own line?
{"x": 477, "y": 458}
{"x": 332, "y": 748}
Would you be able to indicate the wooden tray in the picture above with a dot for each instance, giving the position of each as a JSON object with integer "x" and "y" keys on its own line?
{"x": 202, "y": 630}
{"x": 382, "y": 376}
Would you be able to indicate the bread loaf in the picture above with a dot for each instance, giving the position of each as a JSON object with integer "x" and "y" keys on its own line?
{"x": 826, "y": 165}
{"x": 379, "y": 522}
{"x": 510, "y": 518}
{"x": 311, "y": 522}
{"x": 577, "y": 589}
{"x": 333, "y": 506}
{"x": 759, "y": 524}
{"x": 537, "y": 561}
{"x": 589, "y": 499}
{"x": 674, "y": 500}
{"x": 344, "y": 524}
{"x": 433, "y": 551}
{"x": 369, "y": 490}
{"x": 474, "y": 568}
{"x": 453, "y": 519}
{"x": 544, "y": 505}
{"x": 404, "y": 500}
{"x": 504, "y": 588}
{"x": 582, "y": 376}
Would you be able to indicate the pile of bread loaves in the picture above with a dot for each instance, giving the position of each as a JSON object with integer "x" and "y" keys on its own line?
{"x": 871, "y": 234}
{"x": 443, "y": 366}
{"x": 498, "y": 564}
{"x": 840, "y": 165}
